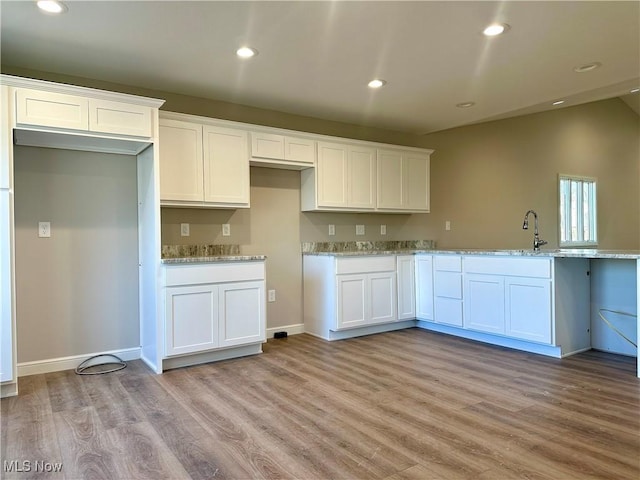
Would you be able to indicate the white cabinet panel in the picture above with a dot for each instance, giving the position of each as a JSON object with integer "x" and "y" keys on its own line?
{"x": 267, "y": 145}
{"x": 226, "y": 166}
{"x": 352, "y": 297}
{"x": 302, "y": 150}
{"x": 424, "y": 287}
{"x": 403, "y": 180}
{"x": 382, "y": 297}
{"x": 120, "y": 118}
{"x": 332, "y": 173}
{"x": 241, "y": 313}
{"x": 361, "y": 178}
{"x": 528, "y": 309}
{"x": 365, "y": 264}
{"x": 390, "y": 179}
{"x": 448, "y": 311}
{"x": 405, "y": 268}
{"x": 6, "y": 140}
{"x": 416, "y": 172}
{"x": 7, "y": 367}
{"x": 47, "y": 109}
{"x": 192, "y": 319}
{"x": 289, "y": 151}
{"x": 484, "y": 303}
{"x": 181, "y": 161}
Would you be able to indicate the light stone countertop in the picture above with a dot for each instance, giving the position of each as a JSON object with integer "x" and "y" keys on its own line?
{"x": 213, "y": 259}
{"x": 202, "y": 253}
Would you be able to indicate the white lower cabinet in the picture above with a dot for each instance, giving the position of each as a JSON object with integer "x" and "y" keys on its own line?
{"x": 213, "y": 306}
{"x": 424, "y": 287}
{"x": 484, "y": 303}
{"x": 366, "y": 299}
{"x": 405, "y": 268}
{"x": 447, "y": 287}
{"x": 528, "y": 308}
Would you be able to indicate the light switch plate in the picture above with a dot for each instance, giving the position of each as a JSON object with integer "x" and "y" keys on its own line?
{"x": 359, "y": 229}
{"x": 332, "y": 229}
{"x": 271, "y": 296}
{"x": 226, "y": 230}
{"x": 447, "y": 225}
{"x": 383, "y": 229}
{"x": 44, "y": 229}
{"x": 184, "y": 230}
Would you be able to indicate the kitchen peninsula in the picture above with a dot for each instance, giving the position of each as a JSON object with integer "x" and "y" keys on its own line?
{"x": 545, "y": 302}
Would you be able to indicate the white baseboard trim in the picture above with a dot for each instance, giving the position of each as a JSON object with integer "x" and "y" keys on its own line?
{"x": 70, "y": 363}
{"x": 290, "y": 329}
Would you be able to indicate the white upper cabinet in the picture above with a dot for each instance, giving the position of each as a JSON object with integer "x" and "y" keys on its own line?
{"x": 403, "y": 180}
{"x": 38, "y": 108}
{"x": 282, "y": 151}
{"x": 6, "y": 140}
{"x": 203, "y": 165}
{"x": 344, "y": 178}
{"x": 226, "y": 166}
{"x": 181, "y": 164}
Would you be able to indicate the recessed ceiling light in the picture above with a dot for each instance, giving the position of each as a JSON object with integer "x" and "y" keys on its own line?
{"x": 495, "y": 29}
{"x": 377, "y": 83}
{"x": 587, "y": 67}
{"x": 465, "y": 104}
{"x": 246, "y": 52}
{"x": 51, "y": 6}
{"x": 559, "y": 102}
{"x": 634, "y": 90}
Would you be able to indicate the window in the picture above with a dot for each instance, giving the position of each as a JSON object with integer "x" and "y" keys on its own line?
{"x": 578, "y": 226}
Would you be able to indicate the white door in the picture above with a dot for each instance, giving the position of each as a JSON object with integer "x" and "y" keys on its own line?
{"x": 6, "y": 291}
{"x": 181, "y": 161}
{"x": 416, "y": 178}
{"x": 361, "y": 185}
{"x": 6, "y": 140}
{"x": 226, "y": 166}
{"x": 406, "y": 287}
{"x": 46, "y": 109}
{"x": 352, "y": 298}
{"x": 528, "y": 309}
{"x": 301, "y": 150}
{"x": 390, "y": 180}
{"x": 424, "y": 287}
{"x": 241, "y": 313}
{"x": 382, "y": 297}
{"x": 120, "y": 118}
{"x": 331, "y": 174}
{"x": 191, "y": 320}
{"x": 484, "y": 303}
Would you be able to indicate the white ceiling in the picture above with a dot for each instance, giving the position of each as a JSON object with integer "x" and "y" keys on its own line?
{"x": 316, "y": 57}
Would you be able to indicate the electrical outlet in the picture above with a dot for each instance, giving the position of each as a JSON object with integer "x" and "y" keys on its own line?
{"x": 383, "y": 229}
{"x": 184, "y": 229}
{"x": 44, "y": 229}
{"x": 447, "y": 225}
{"x": 359, "y": 229}
{"x": 226, "y": 230}
{"x": 271, "y": 296}
{"x": 332, "y": 229}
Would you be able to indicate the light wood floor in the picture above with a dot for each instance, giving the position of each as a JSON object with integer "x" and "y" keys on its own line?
{"x": 404, "y": 405}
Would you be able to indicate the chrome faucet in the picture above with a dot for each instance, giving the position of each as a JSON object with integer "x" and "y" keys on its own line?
{"x": 537, "y": 241}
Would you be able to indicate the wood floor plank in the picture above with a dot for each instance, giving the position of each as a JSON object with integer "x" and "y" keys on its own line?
{"x": 403, "y": 405}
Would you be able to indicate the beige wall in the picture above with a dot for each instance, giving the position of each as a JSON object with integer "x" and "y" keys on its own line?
{"x": 76, "y": 292}
{"x": 485, "y": 177}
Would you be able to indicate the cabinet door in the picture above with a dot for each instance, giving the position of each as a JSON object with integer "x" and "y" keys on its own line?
{"x": 191, "y": 321}
{"x": 332, "y": 172}
{"x": 415, "y": 170}
{"x": 484, "y": 303}
{"x": 267, "y": 145}
{"x": 448, "y": 311}
{"x": 302, "y": 150}
{"x": 241, "y": 315}
{"x": 406, "y": 287}
{"x": 226, "y": 166}
{"x": 528, "y": 309}
{"x": 390, "y": 180}
{"x": 120, "y": 118}
{"x": 361, "y": 183}
{"x": 6, "y": 290}
{"x": 352, "y": 297}
{"x": 424, "y": 287}
{"x": 6, "y": 140}
{"x": 181, "y": 167}
{"x": 46, "y": 109}
{"x": 382, "y": 297}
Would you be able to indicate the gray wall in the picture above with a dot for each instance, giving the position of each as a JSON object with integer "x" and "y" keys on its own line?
{"x": 76, "y": 292}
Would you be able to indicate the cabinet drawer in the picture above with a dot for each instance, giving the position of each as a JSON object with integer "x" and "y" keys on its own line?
{"x": 509, "y": 266}
{"x": 448, "y": 284}
{"x": 194, "y": 274}
{"x": 367, "y": 264}
{"x": 448, "y": 263}
{"x": 46, "y": 109}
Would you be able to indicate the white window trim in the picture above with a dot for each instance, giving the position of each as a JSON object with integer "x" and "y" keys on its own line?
{"x": 567, "y": 221}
